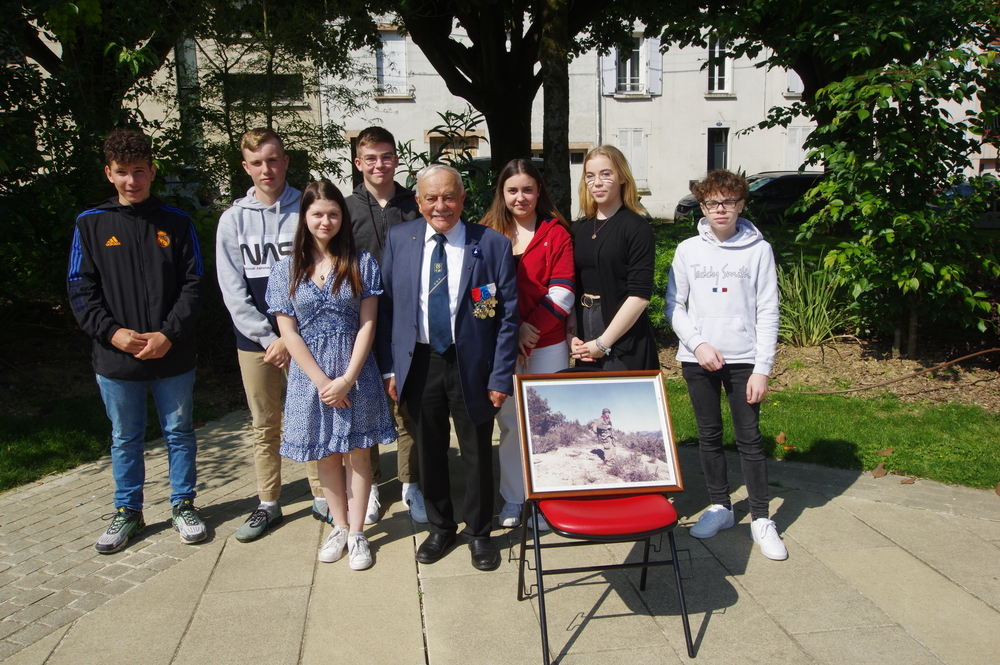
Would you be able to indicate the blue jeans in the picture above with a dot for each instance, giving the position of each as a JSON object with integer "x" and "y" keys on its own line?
{"x": 125, "y": 402}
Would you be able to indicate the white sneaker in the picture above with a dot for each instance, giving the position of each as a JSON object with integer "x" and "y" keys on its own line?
{"x": 415, "y": 500}
{"x": 765, "y": 534}
{"x": 334, "y": 546}
{"x": 359, "y": 556}
{"x": 713, "y": 520}
{"x": 371, "y": 515}
{"x": 510, "y": 516}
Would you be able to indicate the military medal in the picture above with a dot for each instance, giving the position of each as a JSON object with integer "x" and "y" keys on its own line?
{"x": 484, "y": 301}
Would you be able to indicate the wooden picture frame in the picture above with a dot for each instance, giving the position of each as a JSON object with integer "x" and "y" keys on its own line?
{"x": 567, "y": 453}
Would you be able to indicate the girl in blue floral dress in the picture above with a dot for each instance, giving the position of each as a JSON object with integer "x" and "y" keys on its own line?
{"x": 325, "y": 298}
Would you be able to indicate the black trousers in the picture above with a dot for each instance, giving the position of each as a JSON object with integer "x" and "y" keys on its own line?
{"x": 433, "y": 392}
{"x": 705, "y": 389}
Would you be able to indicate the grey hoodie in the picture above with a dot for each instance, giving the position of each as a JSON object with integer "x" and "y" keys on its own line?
{"x": 251, "y": 238}
{"x": 725, "y": 294}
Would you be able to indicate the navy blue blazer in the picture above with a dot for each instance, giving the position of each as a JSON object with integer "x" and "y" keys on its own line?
{"x": 486, "y": 348}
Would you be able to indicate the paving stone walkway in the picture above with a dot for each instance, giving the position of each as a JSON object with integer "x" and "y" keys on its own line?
{"x": 878, "y": 572}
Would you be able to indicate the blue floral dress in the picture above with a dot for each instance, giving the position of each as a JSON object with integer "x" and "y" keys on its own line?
{"x": 328, "y": 323}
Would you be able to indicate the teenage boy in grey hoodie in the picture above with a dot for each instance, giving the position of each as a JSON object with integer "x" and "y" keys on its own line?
{"x": 376, "y": 205}
{"x": 722, "y": 301}
{"x": 253, "y": 235}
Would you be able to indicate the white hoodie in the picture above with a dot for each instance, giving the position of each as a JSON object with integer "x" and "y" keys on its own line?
{"x": 251, "y": 238}
{"x": 725, "y": 294}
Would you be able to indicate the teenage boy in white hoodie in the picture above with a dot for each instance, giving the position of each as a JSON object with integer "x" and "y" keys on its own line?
{"x": 253, "y": 235}
{"x": 722, "y": 301}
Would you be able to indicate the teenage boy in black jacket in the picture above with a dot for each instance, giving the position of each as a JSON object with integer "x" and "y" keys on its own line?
{"x": 134, "y": 286}
{"x": 376, "y": 205}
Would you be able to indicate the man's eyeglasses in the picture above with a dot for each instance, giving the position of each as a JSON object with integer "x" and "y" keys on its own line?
{"x": 728, "y": 205}
{"x": 385, "y": 158}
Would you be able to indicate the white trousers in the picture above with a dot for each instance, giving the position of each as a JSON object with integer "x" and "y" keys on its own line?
{"x": 546, "y": 360}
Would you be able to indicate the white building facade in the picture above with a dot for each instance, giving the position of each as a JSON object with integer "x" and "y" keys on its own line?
{"x": 673, "y": 116}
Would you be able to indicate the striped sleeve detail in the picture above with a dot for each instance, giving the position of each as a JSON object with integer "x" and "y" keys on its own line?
{"x": 565, "y": 283}
{"x": 75, "y": 257}
{"x": 199, "y": 265}
{"x": 552, "y": 309}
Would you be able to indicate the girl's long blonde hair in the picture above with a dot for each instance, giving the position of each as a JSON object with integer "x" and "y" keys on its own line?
{"x": 630, "y": 193}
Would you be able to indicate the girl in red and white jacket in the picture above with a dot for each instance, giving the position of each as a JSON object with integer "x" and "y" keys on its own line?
{"x": 543, "y": 251}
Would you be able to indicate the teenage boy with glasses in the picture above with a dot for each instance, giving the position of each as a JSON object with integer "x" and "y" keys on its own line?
{"x": 376, "y": 205}
{"x": 722, "y": 301}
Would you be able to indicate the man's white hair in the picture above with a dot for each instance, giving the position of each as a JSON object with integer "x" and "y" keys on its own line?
{"x": 430, "y": 170}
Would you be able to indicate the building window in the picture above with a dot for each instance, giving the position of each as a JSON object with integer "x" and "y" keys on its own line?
{"x": 719, "y": 68}
{"x": 630, "y": 68}
{"x": 441, "y": 145}
{"x": 286, "y": 88}
{"x": 632, "y": 143}
{"x": 635, "y": 72}
{"x": 390, "y": 67}
{"x": 795, "y": 86}
{"x": 718, "y": 148}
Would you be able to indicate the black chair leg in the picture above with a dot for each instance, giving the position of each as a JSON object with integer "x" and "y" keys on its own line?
{"x": 680, "y": 595}
{"x": 541, "y": 588}
{"x": 521, "y": 562}
{"x": 645, "y": 559}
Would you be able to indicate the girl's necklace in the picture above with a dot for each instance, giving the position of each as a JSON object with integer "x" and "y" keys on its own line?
{"x": 596, "y": 229}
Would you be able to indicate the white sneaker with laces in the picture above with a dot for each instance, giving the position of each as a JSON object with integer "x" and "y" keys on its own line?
{"x": 359, "y": 555}
{"x": 765, "y": 534}
{"x": 510, "y": 516}
{"x": 333, "y": 547}
{"x": 415, "y": 500}
{"x": 713, "y": 520}
{"x": 371, "y": 515}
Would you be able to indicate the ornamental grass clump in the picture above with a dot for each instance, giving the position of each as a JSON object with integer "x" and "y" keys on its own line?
{"x": 810, "y": 312}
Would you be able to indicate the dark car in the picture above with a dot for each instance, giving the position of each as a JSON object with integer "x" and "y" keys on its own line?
{"x": 989, "y": 218}
{"x": 772, "y": 193}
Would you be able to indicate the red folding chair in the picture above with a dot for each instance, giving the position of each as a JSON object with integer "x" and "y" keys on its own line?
{"x": 595, "y": 520}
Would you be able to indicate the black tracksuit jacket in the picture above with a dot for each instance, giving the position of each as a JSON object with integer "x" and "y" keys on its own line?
{"x": 137, "y": 267}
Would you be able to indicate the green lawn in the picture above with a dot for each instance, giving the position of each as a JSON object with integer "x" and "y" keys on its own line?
{"x": 950, "y": 443}
{"x": 67, "y": 433}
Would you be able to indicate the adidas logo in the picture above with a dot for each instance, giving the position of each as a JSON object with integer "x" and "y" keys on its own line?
{"x": 112, "y": 242}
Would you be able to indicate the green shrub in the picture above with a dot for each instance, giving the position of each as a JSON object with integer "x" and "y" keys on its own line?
{"x": 810, "y": 312}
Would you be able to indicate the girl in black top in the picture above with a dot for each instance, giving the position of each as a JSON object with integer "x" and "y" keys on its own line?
{"x": 615, "y": 254}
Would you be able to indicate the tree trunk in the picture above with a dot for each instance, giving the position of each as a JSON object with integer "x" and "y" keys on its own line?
{"x": 897, "y": 342}
{"x": 554, "y": 58}
{"x": 509, "y": 122}
{"x": 911, "y": 335}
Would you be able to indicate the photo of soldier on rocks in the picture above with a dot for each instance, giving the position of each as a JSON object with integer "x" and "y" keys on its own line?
{"x": 569, "y": 449}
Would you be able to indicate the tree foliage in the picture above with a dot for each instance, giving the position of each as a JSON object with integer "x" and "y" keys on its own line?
{"x": 886, "y": 83}
{"x": 540, "y": 415}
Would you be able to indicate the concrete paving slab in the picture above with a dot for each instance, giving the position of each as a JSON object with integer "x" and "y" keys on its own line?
{"x": 380, "y": 605}
{"x": 477, "y": 619}
{"x": 280, "y": 558}
{"x": 164, "y": 606}
{"x": 820, "y": 525}
{"x": 728, "y": 624}
{"x": 940, "y": 542}
{"x": 789, "y": 588}
{"x": 39, "y": 652}
{"x": 866, "y": 646}
{"x": 264, "y": 624}
{"x": 987, "y": 529}
{"x": 957, "y": 627}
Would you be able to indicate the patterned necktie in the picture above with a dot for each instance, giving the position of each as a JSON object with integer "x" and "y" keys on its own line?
{"x": 438, "y": 302}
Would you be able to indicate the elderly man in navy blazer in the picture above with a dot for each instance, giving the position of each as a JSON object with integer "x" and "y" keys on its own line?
{"x": 447, "y": 344}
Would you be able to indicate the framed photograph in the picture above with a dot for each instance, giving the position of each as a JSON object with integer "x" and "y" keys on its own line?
{"x": 587, "y": 431}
